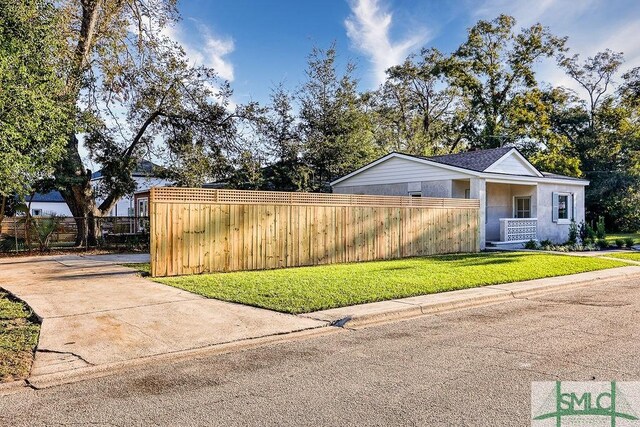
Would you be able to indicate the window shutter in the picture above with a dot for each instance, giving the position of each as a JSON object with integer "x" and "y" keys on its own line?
{"x": 554, "y": 207}
{"x": 574, "y": 207}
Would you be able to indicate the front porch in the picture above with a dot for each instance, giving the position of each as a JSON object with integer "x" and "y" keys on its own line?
{"x": 511, "y": 213}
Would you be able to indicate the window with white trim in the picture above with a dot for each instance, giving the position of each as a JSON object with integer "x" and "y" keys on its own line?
{"x": 563, "y": 209}
{"x": 522, "y": 207}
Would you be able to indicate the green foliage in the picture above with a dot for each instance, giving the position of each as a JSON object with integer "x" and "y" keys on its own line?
{"x": 44, "y": 229}
{"x": 601, "y": 232}
{"x": 546, "y": 242}
{"x": 494, "y": 68}
{"x": 573, "y": 233}
{"x": 531, "y": 244}
{"x": 629, "y": 242}
{"x": 602, "y": 243}
{"x": 35, "y": 120}
{"x": 587, "y": 233}
{"x": 337, "y": 133}
{"x": 620, "y": 243}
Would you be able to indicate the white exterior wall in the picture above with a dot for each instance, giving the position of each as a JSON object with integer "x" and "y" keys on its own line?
{"x": 554, "y": 231}
{"x": 125, "y": 203}
{"x": 512, "y": 165}
{"x": 459, "y": 187}
{"x": 396, "y": 170}
{"x": 59, "y": 208}
{"x": 401, "y": 177}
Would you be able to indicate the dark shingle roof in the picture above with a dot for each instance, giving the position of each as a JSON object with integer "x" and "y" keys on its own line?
{"x": 473, "y": 160}
{"x": 143, "y": 168}
{"x": 51, "y": 197}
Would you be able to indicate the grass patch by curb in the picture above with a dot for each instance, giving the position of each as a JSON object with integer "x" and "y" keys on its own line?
{"x": 633, "y": 256}
{"x": 306, "y": 289}
{"x": 19, "y": 331}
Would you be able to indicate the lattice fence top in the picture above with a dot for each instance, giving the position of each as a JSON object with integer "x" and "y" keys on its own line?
{"x": 206, "y": 195}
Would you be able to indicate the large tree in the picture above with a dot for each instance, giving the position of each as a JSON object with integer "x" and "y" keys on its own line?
{"x": 495, "y": 66}
{"x": 607, "y": 139}
{"x": 135, "y": 94}
{"x": 417, "y": 111}
{"x": 336, "y": 130}
{"x": 34, "y": 119}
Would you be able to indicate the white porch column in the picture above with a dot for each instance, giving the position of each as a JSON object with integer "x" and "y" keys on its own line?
{"x": 478, "y": 190}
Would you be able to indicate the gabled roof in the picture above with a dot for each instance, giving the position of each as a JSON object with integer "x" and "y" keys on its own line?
{"x": 477, "y": 161}
{"x": 50, "y": 197}
{"x": 144, "y": 168}
{"x": 488, "y": 164}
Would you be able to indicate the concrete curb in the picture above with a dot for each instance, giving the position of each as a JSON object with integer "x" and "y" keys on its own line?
{"x": 80, "y": 374}
{"x": 364, "y": 315}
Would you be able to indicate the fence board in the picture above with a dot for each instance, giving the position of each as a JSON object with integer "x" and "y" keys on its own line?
{"x": 202, "y": 230}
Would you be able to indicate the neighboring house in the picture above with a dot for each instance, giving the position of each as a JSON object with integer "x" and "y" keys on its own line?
{"x": 517, "y": 202}
{"x": 145, "y": 176}
{"x": 47, "y": 203}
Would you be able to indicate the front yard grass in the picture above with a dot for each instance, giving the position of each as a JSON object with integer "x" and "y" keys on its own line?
{"x": 611, "y": 238}
{"x": 633, "y": 256}
{"x": 18, "y": 337}
{"x": 306, "y": 289}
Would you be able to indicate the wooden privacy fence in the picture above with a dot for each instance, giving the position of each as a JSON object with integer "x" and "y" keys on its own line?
{"x": 202, "y": 230}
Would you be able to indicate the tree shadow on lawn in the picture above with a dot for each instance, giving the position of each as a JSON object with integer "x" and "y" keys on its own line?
{"x": 467, "y": 260}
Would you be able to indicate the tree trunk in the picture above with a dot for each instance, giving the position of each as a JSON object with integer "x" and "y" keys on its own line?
{"x": 77, "y": 191}
{"x": 83, "y": 208}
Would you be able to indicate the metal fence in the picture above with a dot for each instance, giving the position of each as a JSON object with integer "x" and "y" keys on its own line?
{"x": 114, "y": 232}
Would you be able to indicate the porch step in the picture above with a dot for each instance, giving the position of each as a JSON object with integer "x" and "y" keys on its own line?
{"x": 507, "y": 245}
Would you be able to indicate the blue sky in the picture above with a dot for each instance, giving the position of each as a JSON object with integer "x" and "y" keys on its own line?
{"x": 258, "y": 43}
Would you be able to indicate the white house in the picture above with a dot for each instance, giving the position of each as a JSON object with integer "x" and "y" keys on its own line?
{"x": 145, "y": 176}
{"x": 517, "y": 202}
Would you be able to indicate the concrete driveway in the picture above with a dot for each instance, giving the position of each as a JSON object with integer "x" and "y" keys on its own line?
{"x": 96, "y": 312}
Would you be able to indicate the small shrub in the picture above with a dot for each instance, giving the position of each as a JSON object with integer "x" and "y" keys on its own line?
{"x": 602, "y": 244}
{"x": 546, "y": 242}
{"x": 531, "y": 244}
{"x": 620, "y": 243}
{"x": 587, "y": 233}
{"x": 600, "y": 229}
{"x": 629, "y": 242}
{"x": 573, "y": 233}
{"x": 8, "y": 244}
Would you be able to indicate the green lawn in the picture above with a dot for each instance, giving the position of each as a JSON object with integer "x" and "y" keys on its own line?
{"x": 306, "y": 289}
{"x": 611, "y": 238}
{"x": 633, "y": 256}
{"x": 18, "y": 337}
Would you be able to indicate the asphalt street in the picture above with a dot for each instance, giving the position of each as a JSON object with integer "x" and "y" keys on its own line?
{"x": 471, "y": 367}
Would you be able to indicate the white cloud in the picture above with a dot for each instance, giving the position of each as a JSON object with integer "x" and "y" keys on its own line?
{"x": 368, "y": 28}
{"x": 205, "y": 48}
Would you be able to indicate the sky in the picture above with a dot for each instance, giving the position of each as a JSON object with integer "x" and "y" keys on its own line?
{"x": 257, "y": 44}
